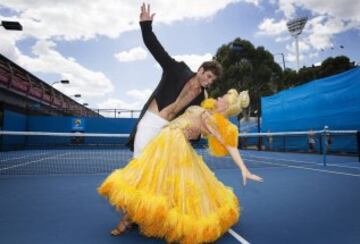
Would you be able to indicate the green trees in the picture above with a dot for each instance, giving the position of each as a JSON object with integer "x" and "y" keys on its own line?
{"x": 247, "y": 67}
{"x": 332, "y": 66}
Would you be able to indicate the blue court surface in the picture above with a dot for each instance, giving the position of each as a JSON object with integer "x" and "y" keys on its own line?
{"x": 50, "y": 197}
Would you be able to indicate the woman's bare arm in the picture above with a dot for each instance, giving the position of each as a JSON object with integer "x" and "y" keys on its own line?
{"x": 211, "y": 127}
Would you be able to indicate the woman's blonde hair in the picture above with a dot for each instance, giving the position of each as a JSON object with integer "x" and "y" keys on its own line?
{"x": 237, "y": 101}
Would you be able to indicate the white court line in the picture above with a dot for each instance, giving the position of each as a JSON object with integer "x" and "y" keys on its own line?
{"x": 30, "y": 162}
{"x": 300, "y": 161}
{"x": 29, "y": 155}
{"x": 59, "y": 174}
{"x": 311, "y": 169}
{"x": 354, "y": 162}
{"x": 342, "y": 166}
{"x": 238, "y": 237}
{"x": 90, "y": 158}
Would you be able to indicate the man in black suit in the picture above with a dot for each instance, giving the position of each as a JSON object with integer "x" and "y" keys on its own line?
{"x": 178, "y": 88}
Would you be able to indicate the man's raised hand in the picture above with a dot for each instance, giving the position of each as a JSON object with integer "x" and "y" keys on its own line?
{"x": 145, "y": 13}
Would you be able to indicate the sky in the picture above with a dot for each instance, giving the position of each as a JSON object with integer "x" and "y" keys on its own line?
{"x": 97, "y": 45}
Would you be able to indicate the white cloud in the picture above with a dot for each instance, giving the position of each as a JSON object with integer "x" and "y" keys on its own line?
{"x": 193, "y": 60}
{"x": 73, "y": 20}
{"x": 134, "y": 54}
{"x": 272, "y": 28}
{"x": 288, "y": 7}
{"x": 140, "y": 96}
{"x": 314, "y": 54}
{"x": 321, "y": 30}
{"x": 169, "y": 11}
{"x": 82, "y": 80}
{"x": 303, "y": 46}
{"x": 8, "y": 47}
{"x": 291, "y": 57}
{"x": 346, "y": 9}
{"x": 81, "y": 19}
{"x": 282, "y": 38}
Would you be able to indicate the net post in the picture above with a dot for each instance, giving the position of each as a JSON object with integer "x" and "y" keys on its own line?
{"x": 324, "y": 143}
{"x": 284, "y": 144}
{"x": 1, "y": 142}
{"x": 320, "y": 144}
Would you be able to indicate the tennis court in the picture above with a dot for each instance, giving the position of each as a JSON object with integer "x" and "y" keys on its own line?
{"x": 49, "y": 196}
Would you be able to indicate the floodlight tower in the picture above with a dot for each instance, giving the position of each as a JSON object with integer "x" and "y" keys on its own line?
{"x": 295, "y": 28}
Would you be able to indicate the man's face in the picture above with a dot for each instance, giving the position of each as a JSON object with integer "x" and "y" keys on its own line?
{"x": 206, "y": 78}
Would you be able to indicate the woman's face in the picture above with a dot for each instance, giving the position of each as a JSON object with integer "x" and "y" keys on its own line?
{"x": 222, "y": 104}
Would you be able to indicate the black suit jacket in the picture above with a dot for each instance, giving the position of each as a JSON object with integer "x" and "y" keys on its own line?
{"x": 174, "y": 77}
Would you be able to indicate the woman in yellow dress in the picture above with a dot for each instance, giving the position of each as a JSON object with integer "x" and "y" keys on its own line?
{"x": 169, "y": 191}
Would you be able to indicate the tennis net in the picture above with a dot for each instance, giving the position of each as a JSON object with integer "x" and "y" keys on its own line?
{"x": 47, "y": 153}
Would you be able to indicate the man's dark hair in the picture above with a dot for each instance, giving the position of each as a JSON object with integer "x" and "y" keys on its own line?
{"x": 214, "y": 66}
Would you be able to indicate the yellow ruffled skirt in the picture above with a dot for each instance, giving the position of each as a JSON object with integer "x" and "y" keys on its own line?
{"x": 170, "y": 192}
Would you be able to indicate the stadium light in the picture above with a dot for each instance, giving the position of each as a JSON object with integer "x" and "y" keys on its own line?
{"x": 11, "y": 25}
{"x": 283, "y": 59}
{"x": 61, "y": 81}
{"x": 295, "y": 28}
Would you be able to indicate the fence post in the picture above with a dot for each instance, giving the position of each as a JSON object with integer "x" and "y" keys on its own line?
{"x": 358, "y": 143}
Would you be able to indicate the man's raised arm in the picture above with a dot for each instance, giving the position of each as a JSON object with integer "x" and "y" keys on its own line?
{"x": 150, "y": 40}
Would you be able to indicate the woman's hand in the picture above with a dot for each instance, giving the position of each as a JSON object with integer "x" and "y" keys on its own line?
{"x": 247, "y": 175}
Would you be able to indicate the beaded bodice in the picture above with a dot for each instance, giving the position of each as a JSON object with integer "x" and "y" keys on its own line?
{"x": 189, "y": 122}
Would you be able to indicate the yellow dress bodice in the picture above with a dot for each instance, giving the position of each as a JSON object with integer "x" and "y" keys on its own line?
{"x": 191, "y": 125}
{"x": 189, "y": 122}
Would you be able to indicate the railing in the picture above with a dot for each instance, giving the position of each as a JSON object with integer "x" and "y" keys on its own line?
{"x": 96, "y": 112}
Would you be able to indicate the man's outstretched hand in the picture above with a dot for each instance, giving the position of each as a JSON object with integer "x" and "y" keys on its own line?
{"x": 145, "y": 13}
